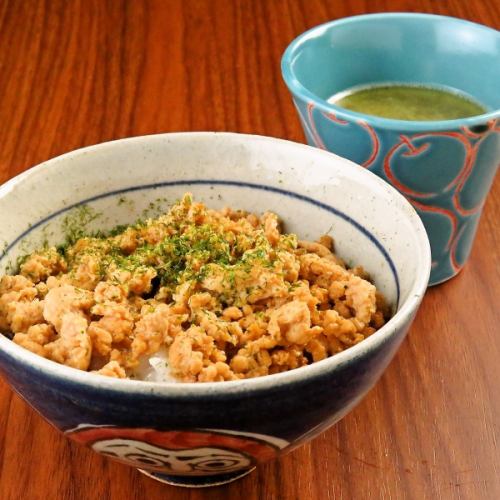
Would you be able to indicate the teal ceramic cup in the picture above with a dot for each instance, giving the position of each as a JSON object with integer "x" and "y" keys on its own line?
{"x": 444, "y": 168}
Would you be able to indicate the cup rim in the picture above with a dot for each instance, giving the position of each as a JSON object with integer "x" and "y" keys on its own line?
{"x": 296, "y": 87}
{"x": 187, "y": 390}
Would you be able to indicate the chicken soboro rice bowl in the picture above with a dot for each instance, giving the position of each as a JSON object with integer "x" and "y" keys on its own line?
{"x": 195, "y": 295}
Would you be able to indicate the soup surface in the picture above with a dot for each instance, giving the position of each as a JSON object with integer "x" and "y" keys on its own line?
{"x": 408, "y": 102}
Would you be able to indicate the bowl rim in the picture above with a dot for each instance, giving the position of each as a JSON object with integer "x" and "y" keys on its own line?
{"x": 297, "y": 89}
{"x": 221, "y": 389}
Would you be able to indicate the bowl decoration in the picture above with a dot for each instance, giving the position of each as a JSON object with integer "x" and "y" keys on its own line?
{"x": 201, "y": 434}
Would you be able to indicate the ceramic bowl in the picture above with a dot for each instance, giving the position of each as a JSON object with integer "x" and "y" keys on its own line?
{"x": 444, "y": 168}
{"x": 210, "y": 433}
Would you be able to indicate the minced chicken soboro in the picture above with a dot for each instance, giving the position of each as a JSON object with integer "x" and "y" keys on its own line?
{"x": 208, "y": 295}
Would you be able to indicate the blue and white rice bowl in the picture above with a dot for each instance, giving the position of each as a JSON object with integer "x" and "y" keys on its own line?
{"x": 200, "y": 434}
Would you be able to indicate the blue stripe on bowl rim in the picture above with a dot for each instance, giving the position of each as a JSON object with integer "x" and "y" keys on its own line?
{"x": 218, "y": 182}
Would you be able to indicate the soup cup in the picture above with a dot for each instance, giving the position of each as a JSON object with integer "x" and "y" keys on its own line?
{"x": 444, "y": 168}
{"x": 202, "y": 434}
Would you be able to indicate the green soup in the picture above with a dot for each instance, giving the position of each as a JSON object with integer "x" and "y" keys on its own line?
{"x": 408, "y": 102}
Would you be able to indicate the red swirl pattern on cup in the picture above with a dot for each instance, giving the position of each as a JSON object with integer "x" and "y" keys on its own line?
{"x": 375, "y": 142}
{"x": 471, "y": 142}
{"x": 445, "y": 201}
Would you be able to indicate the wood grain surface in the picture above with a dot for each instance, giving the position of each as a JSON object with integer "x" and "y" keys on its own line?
{"x": 74, "y": 73}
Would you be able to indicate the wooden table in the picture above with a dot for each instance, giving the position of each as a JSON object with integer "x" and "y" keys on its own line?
{"x": 75, "y": 73}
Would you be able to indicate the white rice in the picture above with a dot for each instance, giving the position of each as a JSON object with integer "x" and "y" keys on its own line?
{"x": 154, "y": 368}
